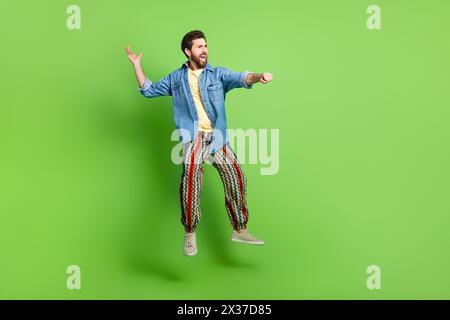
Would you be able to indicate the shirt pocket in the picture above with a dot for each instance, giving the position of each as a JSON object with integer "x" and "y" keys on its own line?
{"x": 215, "y": 92}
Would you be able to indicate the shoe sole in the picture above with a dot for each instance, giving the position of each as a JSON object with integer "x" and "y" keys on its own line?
{"x": 191, "y": 254}
{"x": 260, "y": 243}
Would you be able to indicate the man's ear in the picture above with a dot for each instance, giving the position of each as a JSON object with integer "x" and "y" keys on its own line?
{"x": 187, "y": 51}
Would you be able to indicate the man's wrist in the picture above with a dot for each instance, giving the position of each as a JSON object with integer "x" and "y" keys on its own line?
{"x": 256, "y": 77}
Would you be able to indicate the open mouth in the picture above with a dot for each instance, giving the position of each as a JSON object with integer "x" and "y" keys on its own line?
{"x": 203, "y": 57}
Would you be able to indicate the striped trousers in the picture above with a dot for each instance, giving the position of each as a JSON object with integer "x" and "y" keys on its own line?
{"x": 233, "y": 178}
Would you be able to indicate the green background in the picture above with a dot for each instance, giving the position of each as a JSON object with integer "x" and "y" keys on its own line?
{"x": 86, "y": 176}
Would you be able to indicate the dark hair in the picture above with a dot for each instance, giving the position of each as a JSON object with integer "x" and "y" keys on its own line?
{"x": 189, "y": 37}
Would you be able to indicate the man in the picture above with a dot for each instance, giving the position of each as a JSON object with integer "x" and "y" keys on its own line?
{"x": 198, "y": 92}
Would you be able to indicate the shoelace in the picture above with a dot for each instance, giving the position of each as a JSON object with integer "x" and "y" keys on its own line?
{"x": 187, "y": 240}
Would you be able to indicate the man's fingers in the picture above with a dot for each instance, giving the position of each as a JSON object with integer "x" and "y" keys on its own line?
{"x": 128, "y": 50}
{"x": 266, "y": 78}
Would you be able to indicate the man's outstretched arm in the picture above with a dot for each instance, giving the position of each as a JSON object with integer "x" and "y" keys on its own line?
{"x": 246, "y": 79}
{"x": 146, "y": 87}
{"x": 252, "y": 78}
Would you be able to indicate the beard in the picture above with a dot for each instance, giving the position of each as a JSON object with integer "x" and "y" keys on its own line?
{"x": 201, "y": 63}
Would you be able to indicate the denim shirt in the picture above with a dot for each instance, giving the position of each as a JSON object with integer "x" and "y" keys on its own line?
{"x": 215, "y": 82}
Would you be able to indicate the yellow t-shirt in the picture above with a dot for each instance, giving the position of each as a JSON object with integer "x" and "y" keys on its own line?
{"x": 204, "y": 122}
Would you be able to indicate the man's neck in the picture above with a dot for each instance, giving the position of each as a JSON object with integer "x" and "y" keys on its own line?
{"x": 193, "y": 66}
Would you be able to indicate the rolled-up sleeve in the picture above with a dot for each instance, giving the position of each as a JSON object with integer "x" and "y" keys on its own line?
{"x": 244, "y": 84}
{"x": 146, "y": 86}
{"x": 232, "y": 80}
{"x": 155, "y": 89}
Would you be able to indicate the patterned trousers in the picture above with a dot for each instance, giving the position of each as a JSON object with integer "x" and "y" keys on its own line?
{"x": 233, "y": 178}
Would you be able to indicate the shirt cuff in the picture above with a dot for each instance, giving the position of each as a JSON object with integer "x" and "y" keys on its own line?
{"x": 244, "y": 84}
{"x": 147, "y": 84}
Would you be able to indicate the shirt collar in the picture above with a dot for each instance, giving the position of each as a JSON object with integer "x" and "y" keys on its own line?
{"x": 208, "y": 66}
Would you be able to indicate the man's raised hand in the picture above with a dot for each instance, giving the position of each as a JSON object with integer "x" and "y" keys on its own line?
{"x": 134, "y": 59}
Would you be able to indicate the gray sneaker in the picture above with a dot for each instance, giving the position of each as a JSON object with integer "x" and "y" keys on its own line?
{"x": 190, "y": 244}
{"x": 245, "y": 237}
